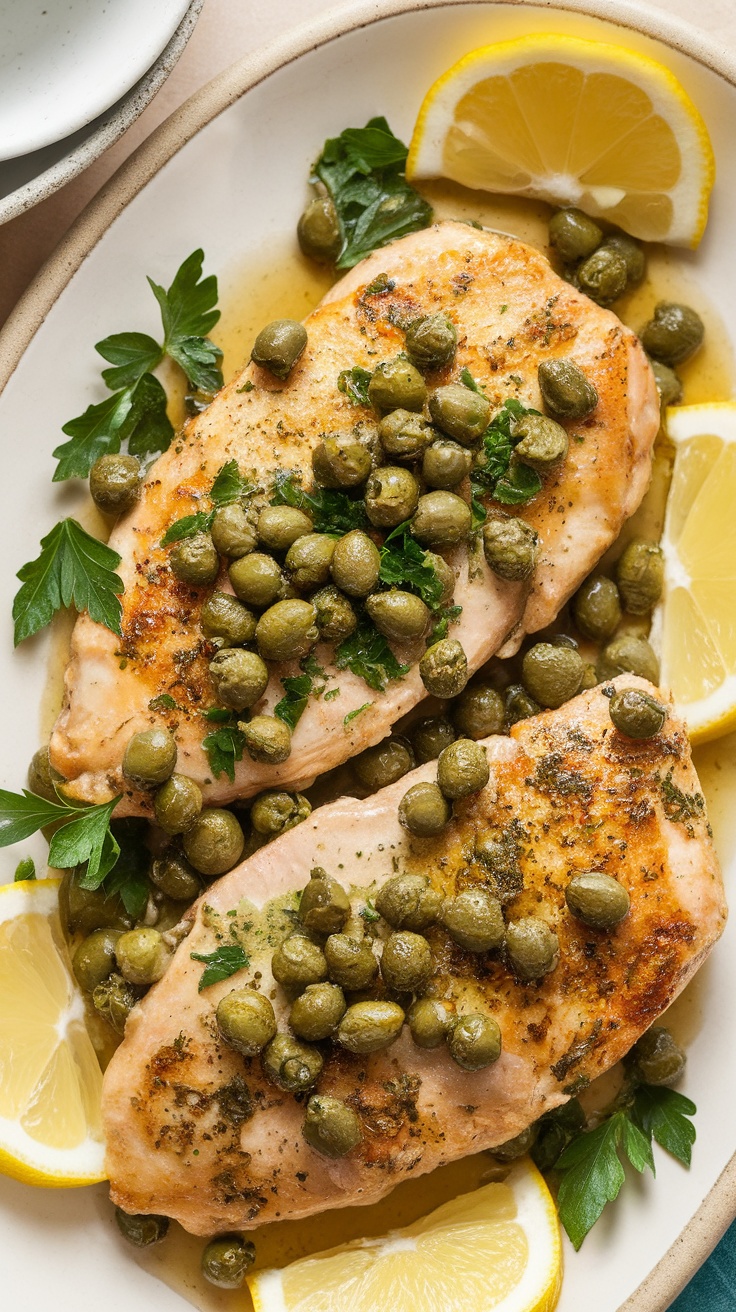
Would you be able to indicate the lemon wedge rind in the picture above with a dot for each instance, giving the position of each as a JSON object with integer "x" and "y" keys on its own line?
{"x": 50, "y": 1133}
{"x": 572, "y": 122}
{"x": 495, "y": 1249}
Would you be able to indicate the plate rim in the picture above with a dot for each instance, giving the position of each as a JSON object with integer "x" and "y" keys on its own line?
{"x": 699, "y": 1237}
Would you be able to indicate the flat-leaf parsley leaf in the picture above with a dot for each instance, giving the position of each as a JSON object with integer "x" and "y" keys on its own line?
{"x": 72, "y": 569}
{"x": 225, "y": 961}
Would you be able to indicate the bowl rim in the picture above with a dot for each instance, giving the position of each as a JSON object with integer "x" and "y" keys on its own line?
{"x": 718, "y": 1209}
{"x": 104, "y": 129}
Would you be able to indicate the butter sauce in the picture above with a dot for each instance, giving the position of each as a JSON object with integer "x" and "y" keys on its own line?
{"x": 280, "y": 283}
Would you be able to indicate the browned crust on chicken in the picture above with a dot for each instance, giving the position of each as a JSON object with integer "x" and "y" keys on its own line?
{"x": 511, "y": 311}
{"x": 196, "y": 1132}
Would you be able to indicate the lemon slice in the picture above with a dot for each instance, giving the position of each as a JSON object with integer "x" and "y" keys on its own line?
{"x": 695, "y": 624}
{"x": 495, "y": 1248}
{"x": 50, "y": 1085}
{"x": 575, "y": 123}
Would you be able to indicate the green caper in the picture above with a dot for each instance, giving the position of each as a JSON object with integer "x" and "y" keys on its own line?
{"x": 635, "y": 714}
{"x": 628, "y": 654}
{"x": 519, "y": 1146}
{"x": 114, "y": 999}
{"x": 640, "y": 576}
{"x": 226, "y": 618}
{"x": 94, "y": 959}
{"x": 598, "y": 900}
{"x": 511, "y": 547}
{"x": 474, "y": 1041}
{"x": 431, "y": 341}
{"x": 443, "y": 668}
{"x": 603, "y": 275}
{"x": 317, "y": 1012}
{"x": 287, "y": 630}
{"x": 370, "y": 1026}
{"x": 668, "y": 384}
{"x": 267, "y": 739}
{"x": 460, "y": 412}
{"x": 291, "y": 1065}
{"x": 149, "y": 758}
{"x": 397, "y": 385}
{"x": 445, "y": 464}
{"x": 141, "y": 1231}
{"x": 330, "y": 1126}
{"x": 596, "y": 608}
{"x": 240, "y": 677}
{"x": 542, "y": 442}
{"x": 246, "y": 1021}
{"x": 405, "y": 435}
{"x": 256, "y": 579}
{"x": 341, "y": 461}
{"x": 278, "y": 346}
{"x": 278, "y": 527}
{"x": 318, "y": 230}
{"x": 42, "y": 777}
{"x": 398, "y": 615}
{"x": 336, "y": 619}
{"x": 408, "y": 902}
{"x": 274, "y": 812}
{"x": 656, "y": 1058}
{"x": 424, "y": 811}
{"x": 462, "y": 769}
{"x": 500, "y": 858}
{"x": 356, "y": 563}
{"x": 519, "y": 705}
{"x": 324, "y": 906}
{"x": 298, "y": 962}
{"x": 215, "y": 842}
{"x": 83, "y": 910}
{"x": 566, "y": 392}
{"x": 573, "y": 235}
{"x": 474, "y": 920}
{"x": 384, "y": 764}
{"x": 479, "y": 711}
{"x": 226, "y": 1259}
{"x": 442, "y": 519}
{"x": 350, "y": 961}
{"x": 177, "y": 803}
{"x": 309, "y": 561}
{"x": 590, "y": 678}
{"x": 631, "y": 253}
{"x": 175, "y": 877}
{"x": 407, "y": 962}
{"x": 232, "y": 532}
{"x": 115, "y": 483}
{"x": 429, "y": 736}
{"x": 195, "y": 560}
{"x": 532, "y": 950}
{"x": 551, "y": 674}
{"x": 673, "y": 334}
{"x": 142, "y": 955}
{"x": 391, "y": 496}
{"x": 429, "y": 1021}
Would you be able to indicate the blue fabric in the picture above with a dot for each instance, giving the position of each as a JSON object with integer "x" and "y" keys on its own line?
{"x": 713, "y": 1289}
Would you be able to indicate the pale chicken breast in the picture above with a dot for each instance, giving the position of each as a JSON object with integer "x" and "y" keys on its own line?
{"x": 511, "y": 312}
{"x": 196, "y": 1132}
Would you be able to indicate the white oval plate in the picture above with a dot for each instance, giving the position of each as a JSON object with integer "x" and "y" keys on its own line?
{"x": 62, "y": 62}
{"x": 250, "y": 163}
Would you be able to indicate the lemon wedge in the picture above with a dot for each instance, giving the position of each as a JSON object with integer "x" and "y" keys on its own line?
{"x": 50, "y": 1126}
{"x": 572, "y": 122}
{"x": 695, "y": 625}
{"x": 497, "y": 1247}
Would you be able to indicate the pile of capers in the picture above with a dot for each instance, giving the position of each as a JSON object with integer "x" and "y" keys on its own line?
{"x": 604, "y": 267}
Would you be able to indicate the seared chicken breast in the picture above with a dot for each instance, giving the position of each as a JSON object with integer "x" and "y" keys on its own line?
{"x": 511, "y": 312}
{"x": 196, "y": 1131}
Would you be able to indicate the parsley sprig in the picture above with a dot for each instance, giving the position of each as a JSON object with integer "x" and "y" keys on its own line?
{"x": 228, "y": 486}
{"x": 363, "y": 170}
{"x": 136, "y": 412}
{"x": 73, "y": 569}
{"x": 83, "y": 836}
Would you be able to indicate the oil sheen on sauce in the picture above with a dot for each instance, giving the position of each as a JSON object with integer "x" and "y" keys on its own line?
{"x": 280, "y": 283}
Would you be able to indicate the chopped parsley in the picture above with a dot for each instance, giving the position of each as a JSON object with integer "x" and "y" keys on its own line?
{"x": 225, "y": 961}
{"x": 298, "y": 688}
{"x": 224, "y": 747}
{"x": 404, "y": 561}
{"x": 228, "y": 486}
{"x": 353, "y": 383}
{"x": 352, "y": 715}
{"x": 332, "y": 511}
{"x": 497, "y": 474}
{"x": 367, "y": 653}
